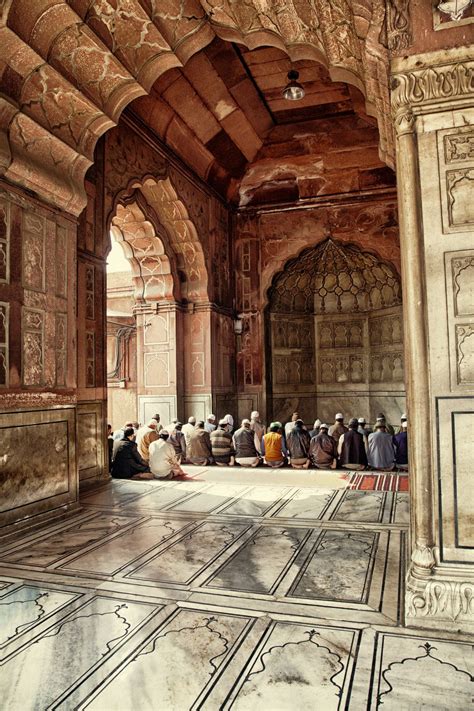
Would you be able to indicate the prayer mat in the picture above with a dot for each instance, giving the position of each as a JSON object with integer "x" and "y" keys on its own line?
{"x": 377, "y": 481}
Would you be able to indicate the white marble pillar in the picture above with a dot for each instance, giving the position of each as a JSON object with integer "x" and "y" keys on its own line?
{"x": 433, "y": 109}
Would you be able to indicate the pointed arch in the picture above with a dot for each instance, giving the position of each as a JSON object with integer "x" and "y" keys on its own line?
{"x": 159, "y": 198}
{"x": 151, "y": 267}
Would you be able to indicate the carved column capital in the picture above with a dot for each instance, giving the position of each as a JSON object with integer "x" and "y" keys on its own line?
{"x": 404, "y": 121}
{"x": 415, "y": 89}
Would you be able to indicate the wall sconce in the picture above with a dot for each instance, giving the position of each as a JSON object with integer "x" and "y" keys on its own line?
{"x": 293, "y": 91}
{"x": 238, "y": 325}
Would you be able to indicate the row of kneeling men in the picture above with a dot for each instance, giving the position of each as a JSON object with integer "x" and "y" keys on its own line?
{"x": 156, "y": 452}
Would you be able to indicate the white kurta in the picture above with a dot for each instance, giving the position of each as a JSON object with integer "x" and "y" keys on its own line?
{"x": 162, "y": 458}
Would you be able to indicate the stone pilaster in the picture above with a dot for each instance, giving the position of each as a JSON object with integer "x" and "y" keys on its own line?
{"x": 159, "y": 360}
{"x": 433, "y": 111}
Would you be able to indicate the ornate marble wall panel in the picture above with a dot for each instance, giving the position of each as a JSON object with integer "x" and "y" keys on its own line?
{"x": 459, "y": 269}
{"x": 90, "y": 449}
{"x": 33, "y": 251}
{"x": 37, "y": 466}
{"x": 37, "y": 251}
{"x": 33, "y": 346}
{"x": 455, "y": 460}
{"x": 455, "y": 158}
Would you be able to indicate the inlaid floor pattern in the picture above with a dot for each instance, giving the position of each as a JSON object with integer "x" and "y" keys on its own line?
{"x": 230, "y": 590}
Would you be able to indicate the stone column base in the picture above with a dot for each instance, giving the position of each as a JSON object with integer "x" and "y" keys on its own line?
{"x": 442, "y": 600}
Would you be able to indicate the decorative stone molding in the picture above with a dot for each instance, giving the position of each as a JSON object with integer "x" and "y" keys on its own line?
{"x": 398, "y": 25}
{"x": 423, "y": 559}
{"x": 431, "y": 85}
{"x": 442, "y": 599}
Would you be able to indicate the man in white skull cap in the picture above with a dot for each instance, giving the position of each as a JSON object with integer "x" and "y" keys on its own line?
{"x": 229, "y": 420}
{"x": 338, "y": 428}
{"x": 210, "y": 424}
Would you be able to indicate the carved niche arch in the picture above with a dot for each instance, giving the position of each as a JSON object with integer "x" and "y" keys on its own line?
{"x": 182, "y": 254}
{"x": 77, "y": 65}
{"x": 334, "y": 333}
{"x": 334, "y": 278}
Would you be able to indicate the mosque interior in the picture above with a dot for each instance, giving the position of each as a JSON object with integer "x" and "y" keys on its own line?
{"x": 224, "y": 206}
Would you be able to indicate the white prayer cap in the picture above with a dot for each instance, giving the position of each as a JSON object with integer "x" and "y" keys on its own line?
{"x": 317, "y": 423}
{"x": 339, "y": 416}
{"x": 229, "y": 420}
{"x": 211, "y": 417}
{"x": 152, "y": 423}
{"x": 361, "y": 421}
{"x": 403, "y": 417}
{"x": 254, "y": 415}
{"x": 324, "y": 427}
{"x": 245, "y": 422}
{"x": 192, "y": 420}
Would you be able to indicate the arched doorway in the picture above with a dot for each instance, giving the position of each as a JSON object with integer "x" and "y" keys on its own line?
{"x": 334, "y": 335}
{"x": 139, "y": 274}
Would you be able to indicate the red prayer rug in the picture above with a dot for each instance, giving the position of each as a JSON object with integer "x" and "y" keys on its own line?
{"x": 377, "y": 481}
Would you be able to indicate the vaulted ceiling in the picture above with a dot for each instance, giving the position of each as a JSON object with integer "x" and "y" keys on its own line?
{"x": 224, "y": 114}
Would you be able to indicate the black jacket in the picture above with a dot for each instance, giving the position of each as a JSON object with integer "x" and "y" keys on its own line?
{"x": 297, "y": 442}
{"x": 353, "y": 448}
{"x": 127, "y": 460}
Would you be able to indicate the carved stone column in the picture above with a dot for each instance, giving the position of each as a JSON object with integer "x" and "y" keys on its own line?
{"x": 433, "y": 110}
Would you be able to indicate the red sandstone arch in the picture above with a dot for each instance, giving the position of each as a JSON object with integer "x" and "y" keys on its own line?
{"x": 77, "y": 65}
{"x": 151, "y": 267}
{"x": 184, "y": 257}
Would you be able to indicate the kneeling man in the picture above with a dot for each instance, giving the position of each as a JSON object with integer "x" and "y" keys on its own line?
{"x": 163, "y": 460}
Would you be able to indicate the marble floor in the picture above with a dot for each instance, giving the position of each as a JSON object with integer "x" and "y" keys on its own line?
{"x": 234, "y": 589}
